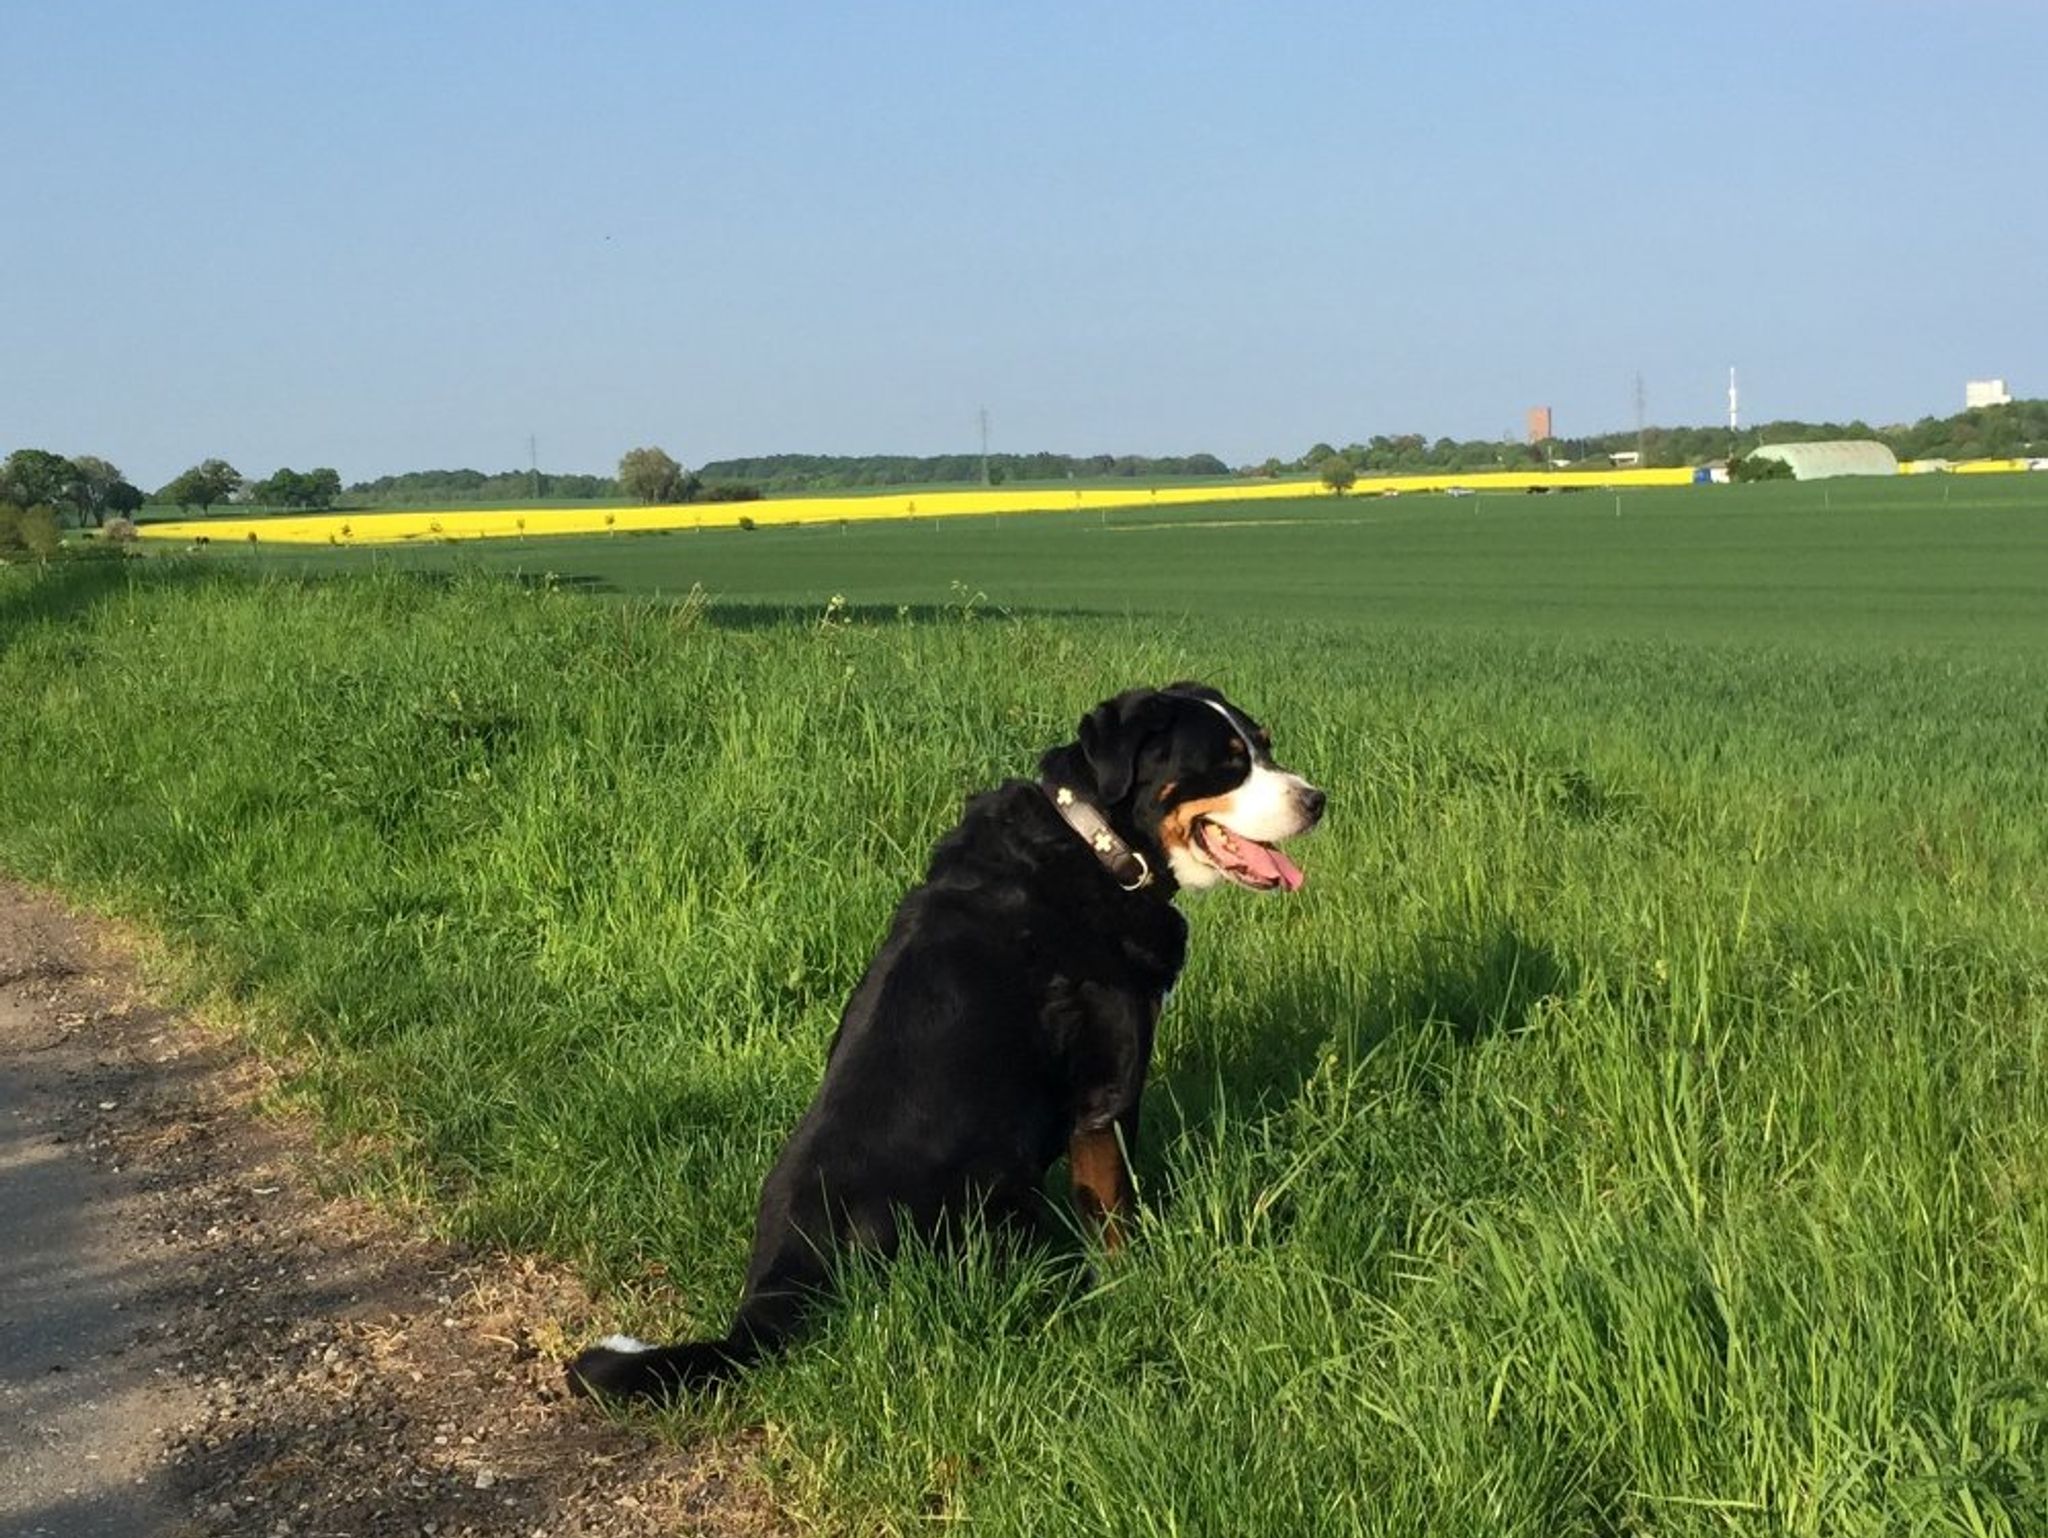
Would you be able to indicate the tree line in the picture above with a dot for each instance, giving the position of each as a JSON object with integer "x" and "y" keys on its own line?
{"x": 41, "y": 494}
{"x": 2016, "y": 430}
{"x": 644, "y": 475}
{"x": 839, "y": 472}
{"x": 426, "y": 486}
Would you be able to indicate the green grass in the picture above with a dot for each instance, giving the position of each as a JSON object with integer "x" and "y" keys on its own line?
{"x": 1638, "y": 1125}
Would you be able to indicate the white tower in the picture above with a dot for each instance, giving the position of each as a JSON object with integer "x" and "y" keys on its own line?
{"x": 1733, "y": 399}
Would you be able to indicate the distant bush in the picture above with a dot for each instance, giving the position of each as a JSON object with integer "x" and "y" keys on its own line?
{"x": 728, "y": 491}
{"x": 29, "y": 533}
{"x": 1752, "y": 468}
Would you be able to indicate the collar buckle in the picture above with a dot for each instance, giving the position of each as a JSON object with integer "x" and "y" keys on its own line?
{"x": 1144, "y": 872}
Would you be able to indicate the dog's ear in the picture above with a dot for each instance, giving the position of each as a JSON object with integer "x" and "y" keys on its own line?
{"x": 1111, "y": 735}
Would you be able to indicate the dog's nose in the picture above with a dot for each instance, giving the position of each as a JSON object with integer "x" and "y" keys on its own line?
{"x": 1312, "y": 802}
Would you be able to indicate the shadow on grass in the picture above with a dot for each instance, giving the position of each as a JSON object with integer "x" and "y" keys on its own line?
{"x": 1472, "y": 988}
{"x": 776, "y": 616}
{"x": 433, "y": 571}
{"x": 58, "y": 592}
{"x": 55, "y": 592}
{"x": 581, "y": 582}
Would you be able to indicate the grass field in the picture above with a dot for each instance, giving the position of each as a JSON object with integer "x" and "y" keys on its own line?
{"x": 1638, "y": 1125}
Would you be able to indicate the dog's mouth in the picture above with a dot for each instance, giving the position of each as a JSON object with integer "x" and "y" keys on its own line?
{"x": 1246, "y": 861}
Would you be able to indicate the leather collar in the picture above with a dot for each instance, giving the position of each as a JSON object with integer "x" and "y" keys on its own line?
{"x": 1132, "y": 871}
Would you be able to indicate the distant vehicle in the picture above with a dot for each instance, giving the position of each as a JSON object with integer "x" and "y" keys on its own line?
{"x": 1460, "y": 491}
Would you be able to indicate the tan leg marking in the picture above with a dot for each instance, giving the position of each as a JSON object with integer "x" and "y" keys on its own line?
{"x": 1102, "y": 1183}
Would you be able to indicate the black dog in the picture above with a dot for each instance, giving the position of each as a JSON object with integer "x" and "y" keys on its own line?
{"x": 1009, "y": 1015}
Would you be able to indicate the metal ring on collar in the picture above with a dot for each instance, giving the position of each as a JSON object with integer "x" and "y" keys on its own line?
{"x": 1145, "y": 878}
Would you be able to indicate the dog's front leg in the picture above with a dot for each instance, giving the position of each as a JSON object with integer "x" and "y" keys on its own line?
{"x": 1110, "y": 1074}
{"x": 1102, "y": 1176}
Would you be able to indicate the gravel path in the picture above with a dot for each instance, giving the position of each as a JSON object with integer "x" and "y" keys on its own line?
{"x": 195, "y": 1341}
{"x": 81, "y": 1407}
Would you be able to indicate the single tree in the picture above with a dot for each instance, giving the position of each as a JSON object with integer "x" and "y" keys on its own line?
{"x": 210, "y": 481}
{"x": 649, "y": 475}
{"x": 322, "y": 486}
{"x": 278, "y": 489}
{"x": 100, "y": 491}
{"x": 36, "y": 478}
{"x": 125, "y": 501}
{"x": 1337, "y": 474}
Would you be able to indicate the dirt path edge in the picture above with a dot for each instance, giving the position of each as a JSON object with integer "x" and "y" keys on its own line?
{"x": 194, "y": 1341}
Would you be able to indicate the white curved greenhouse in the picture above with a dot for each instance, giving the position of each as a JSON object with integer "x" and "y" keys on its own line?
{"x": 1818, "y": 461}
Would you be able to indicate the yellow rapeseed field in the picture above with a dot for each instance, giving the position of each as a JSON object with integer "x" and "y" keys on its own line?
{"x": 387, "y": 528}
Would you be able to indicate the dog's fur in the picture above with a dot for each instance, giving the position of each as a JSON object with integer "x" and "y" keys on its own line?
{"x": 1008, "y": 1017}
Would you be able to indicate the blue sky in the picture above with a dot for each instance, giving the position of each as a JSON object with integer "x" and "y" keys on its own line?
{"x": 390, "y": 237}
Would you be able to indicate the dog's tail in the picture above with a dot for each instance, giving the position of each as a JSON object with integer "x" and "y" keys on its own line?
{"x": 620, "y": 1367}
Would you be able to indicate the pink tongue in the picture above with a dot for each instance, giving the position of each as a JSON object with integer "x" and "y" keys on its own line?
{"x": 1262, "y": 862}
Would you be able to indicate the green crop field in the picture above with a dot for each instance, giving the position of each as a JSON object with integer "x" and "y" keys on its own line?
{"x": 1932, "y": 559}
{"x": 1638, "y": 1125}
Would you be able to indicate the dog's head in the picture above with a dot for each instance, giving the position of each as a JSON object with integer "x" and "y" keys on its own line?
{"x": 1189, "y": 776}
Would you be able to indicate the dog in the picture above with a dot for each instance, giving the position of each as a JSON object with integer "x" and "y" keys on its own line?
{"x": 1008, "y": 1017}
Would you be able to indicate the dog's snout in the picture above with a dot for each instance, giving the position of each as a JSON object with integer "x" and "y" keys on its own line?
{"x": 1312, "y": 801}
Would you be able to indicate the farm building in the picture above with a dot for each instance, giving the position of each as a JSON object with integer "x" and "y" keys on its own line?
{"x": 1818, "y": 461}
